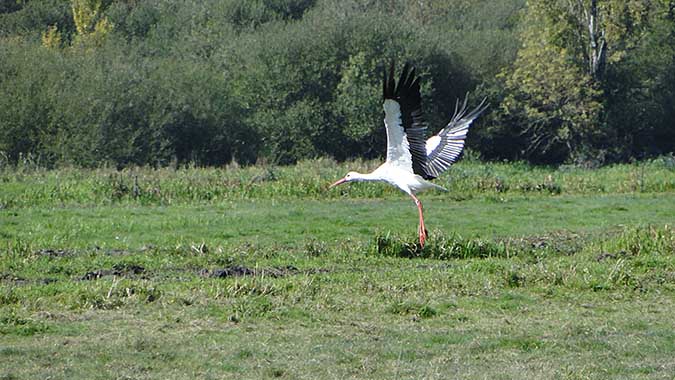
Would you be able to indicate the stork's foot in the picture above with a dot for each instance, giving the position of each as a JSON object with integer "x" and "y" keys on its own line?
{"x": 423, "y": 234}
{"x": 421, "y": 230}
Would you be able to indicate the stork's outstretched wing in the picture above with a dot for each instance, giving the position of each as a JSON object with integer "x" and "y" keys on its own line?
{"x": 406, "y": 129}
{"x": 445, "y": 148}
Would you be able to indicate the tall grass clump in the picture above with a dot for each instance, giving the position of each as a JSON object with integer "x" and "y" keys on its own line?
{"x": 639, "y": 258}
{"x": 441, "y": 247}
{"x": 649, "y": 240}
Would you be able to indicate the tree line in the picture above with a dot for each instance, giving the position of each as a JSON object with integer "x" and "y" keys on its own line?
{"x": 131, "y": 82}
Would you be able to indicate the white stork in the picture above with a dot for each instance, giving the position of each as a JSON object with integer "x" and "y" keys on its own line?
{"x": 412, "y": 161}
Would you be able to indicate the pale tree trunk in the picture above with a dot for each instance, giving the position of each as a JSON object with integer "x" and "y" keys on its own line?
{"x": 596, "y": 37}
{"x": 594, "y": 43}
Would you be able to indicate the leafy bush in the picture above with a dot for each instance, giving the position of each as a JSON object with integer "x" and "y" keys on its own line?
{"x": 126, "y": 83}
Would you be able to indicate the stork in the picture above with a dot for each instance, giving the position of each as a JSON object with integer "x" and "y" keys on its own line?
{"x": 411, "y": 161}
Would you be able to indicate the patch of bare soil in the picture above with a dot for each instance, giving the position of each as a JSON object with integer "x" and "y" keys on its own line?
{"x": 53, "y": 252}
{"x": 114, "y": 252}
{"x": 12, "y": 279}
{"x": 560, "y": 242}
{"x": 613, "y": 256}
{"x": 120, "y": 270}
{"x": 16, "y": 280}
{"x": 240, "y": 271}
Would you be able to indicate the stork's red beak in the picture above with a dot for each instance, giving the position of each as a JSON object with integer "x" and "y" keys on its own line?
{"x": 343, "y": 180}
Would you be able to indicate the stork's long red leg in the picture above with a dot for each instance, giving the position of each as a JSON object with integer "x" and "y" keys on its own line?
{"x": 421, "y": 230}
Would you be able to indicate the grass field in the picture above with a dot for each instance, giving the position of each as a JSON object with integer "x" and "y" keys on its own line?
{"x": 249, "y": 273}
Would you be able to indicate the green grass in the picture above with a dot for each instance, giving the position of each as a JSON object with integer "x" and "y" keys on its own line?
{"x": 573, "y": 281}
{"x": 292, "y": 221}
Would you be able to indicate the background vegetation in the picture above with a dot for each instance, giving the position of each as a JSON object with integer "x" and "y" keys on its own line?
{"x": 134, "y": 261}
{"x": 127, "y": 82}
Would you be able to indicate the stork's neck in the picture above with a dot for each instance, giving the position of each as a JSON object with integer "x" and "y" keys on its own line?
{"x": 365, "y": 177}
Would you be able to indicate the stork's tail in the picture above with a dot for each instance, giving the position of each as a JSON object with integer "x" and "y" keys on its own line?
{"x": 426, "y": 185}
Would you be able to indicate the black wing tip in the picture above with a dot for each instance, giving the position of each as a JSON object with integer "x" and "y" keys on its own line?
{"x": 461, "y": 112}
{"x": 482, "y": 106}
{"x": 408, "y": 82}
{"x": 406, "y": 92}
{"x": 389, "y": 83}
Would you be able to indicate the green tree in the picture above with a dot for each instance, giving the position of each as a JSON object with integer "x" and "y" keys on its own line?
{"x": 641, "y": 89}
{"x": 571, "y": 72}
{"x": 358, "y": 101}
{"x": 551, "y": 96}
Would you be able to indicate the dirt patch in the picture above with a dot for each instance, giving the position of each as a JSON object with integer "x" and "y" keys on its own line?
{"x": 53, "y": 252}
{"x": 10, "y": 278}
{"x": 610, "y": 256}
{"x": 113, "y": 251}
{"x": 233, "y": 271}
{"x": 240, "y": 271}
{"x": 560, "y": 242}
{"x": 120, "y": 270}
{"x": 117, "y": 252}
{"x": 15, "y": 280}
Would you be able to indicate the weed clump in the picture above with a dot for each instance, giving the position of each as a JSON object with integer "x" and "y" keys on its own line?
{"x": 8, "y": 296}
{"x": 515, "y": 279}
{"x": 441, "y": 247}
{"x": 548, "y": 185}
{"x": 14, "y": 324}
{"x": 419, "y": 310}
{"x": 647, "y": 241}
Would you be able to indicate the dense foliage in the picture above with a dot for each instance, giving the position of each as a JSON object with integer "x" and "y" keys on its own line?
{"x": 128, "y": 82}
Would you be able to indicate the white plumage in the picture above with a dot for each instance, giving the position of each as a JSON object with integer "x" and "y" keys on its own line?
{"x": 398, "y": 148}
{"x": 412, "y": 161}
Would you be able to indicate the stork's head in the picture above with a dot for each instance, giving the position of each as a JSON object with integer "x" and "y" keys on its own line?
{"x": 351, "y": 176}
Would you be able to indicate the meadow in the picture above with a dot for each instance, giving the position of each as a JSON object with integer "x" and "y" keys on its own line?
{"x": 260, "y": 272}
